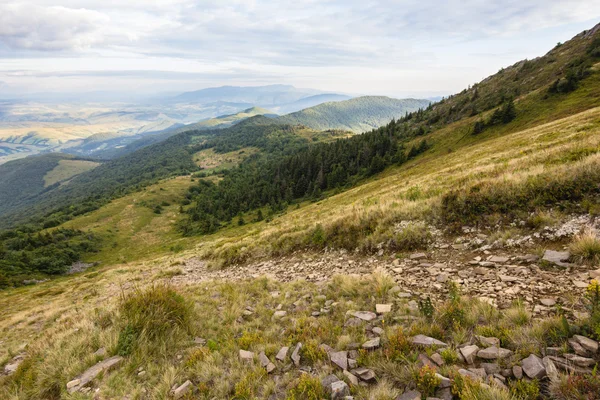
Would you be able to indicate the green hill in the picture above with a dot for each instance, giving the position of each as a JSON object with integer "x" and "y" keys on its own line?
{"x": 357, "y": 115}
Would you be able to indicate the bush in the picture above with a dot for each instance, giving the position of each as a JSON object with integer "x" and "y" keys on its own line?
{"x": 524, "y": 390}
{"x": 152, "y": 315}
{"x": 586, "y": 246}
{"x": 426, "y": 381}
{"x": 413, "y": 236}
{"x": 308, "y": 388}
{"x": 577, "y": 387}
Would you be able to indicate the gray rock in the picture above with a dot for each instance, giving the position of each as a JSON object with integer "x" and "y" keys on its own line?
{"x": 577, "y": 348}
{"x": 498, "y": 259}
{"x": 580, "y": 361}
{"x": 418, "y": 256}
{"x": 491, "y": 368}
{"x": 559, "y": 258}
{"x": 383, "y": 308}
{"x": 488, "y": 341}
{"x": 426, "y": 341}
{"x": 351, "y": 377}
{"x": 469, "y": 374}
{"x": 339, "y": 390}
{"x": 480, "y": 372}
{"x": 327, "y": 381}
{"x": 517, "y": 371}
{"x": 412, "y": 395}
{"x": 494, "y": 353}
{"x": 279, "y": 314}
{"x": 282, "y": 353}
{"x": 101, "y": 352}
{"x": 444, "y": 394}
{"x": 436, "y": 358}
{"x": 551, "y": 370}
{"x": 469, "y": 353}
{"x": 444, "y": 382}
{"x": 364, "y": 374}
{"x": 353, "y": 322}
{"x": 372, "y": 344}
{"x": 246, "y": 355}
{"x": 377, "y": 330}
{"x": 182, "y": 390}
{"x": 266, "y": 363}
{"x": 296, "y": 355}
{"x": 548, "y": 302}
{"x": 93, "y": 372}
{"x": 587, "y": 343}
{"x": 533, "y": 367}
{"x": 365, "y": 315}
{"x": 339, "y": 358}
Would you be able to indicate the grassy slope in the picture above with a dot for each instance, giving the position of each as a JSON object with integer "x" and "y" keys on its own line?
{"x": 66, "y": 169}
{"x": 358, "y": 115}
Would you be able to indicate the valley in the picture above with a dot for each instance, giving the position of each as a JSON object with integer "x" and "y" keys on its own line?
{"x": 357, "y": 248}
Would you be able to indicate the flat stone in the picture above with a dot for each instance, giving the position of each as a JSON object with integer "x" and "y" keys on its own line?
{"x": 554, "y": 351}
{"x": 364, "y": 374}
{"x": 418, "y": 256}
{"x": 296, "y": 355}
{"x": 469, "y": 374}
{"x": 559, "y": 258}
{"x": 182, "y": 390}
{"x": 444, "y": 382}
{"x": 383, "y": 308}
{"x": 444, "y": 394}
{"x": 577, "y": 348}
{"x": 533, "y": 367}
{"x": 507, "y": 278}
{"x": 351, "y": 377}
{"x": 365, "y": 315}
{"x": 339, "y": 390}
{"x": 480, "y": 372}
{"x": 377, "y": 330}
{"x": 469, "y": 353}
{"x": 426, "y": 341}
{"x": 339, "y": 358}
{"x": 279, "y": 314}
{"x": 282, "y": 353}
{"x": 246, "y": 355}
{"x": 352, "y": 322}
{"x": 372, "y": 344}
{"x": 199, "y": 341}
{"x": 412, "y": 395}
{"x": 587, "y": 343}
{"x": 423, "y": 360}
{"x": 580, "y": 284}
{"x": 93, "y": 372}
{"x": 491, "y": 368}
{"x": 551, "y": 371}
{"x": 101, "y": 352}
{"x": 328, "y": 381}
{"x": 498, "y": 259}
{"x": 580, "y": 361}
{"x": 548, "y": 302}
{"x": 488, "y": 341}
{"x": 494, "y": 353}
{"x": 73, "y": 383}
{"x": 436, "y": 358}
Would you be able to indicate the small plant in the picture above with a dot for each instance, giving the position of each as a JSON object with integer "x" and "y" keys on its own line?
{"x": 586, "y": 246}
{"x": 576, "y": 387}
{"x": 308, "y": 388}
{"x": 311, "y": 352}
{"x": 525, "y": 390}
{"x": 398, "y": 346}
{"x": 426, "y": 308}
{"x": 248, "y": 339}
{"x": 449, "y": 356}
{"x": 427, "y": 381}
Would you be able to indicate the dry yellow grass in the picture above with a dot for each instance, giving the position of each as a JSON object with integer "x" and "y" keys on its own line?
{"x": 66, "y": 169}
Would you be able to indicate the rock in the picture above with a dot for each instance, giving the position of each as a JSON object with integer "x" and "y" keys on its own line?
{"x": 282, "y": 353}
{"x": 266, "y": 363}
{"x": 563, "y": 364}
{"x": 328, "y": 381}
{"x": 182, "y": 390}
{"x": 377, "y": 330}
{"x": 533, "y": 367}
{"x": 444, "y": 394}
{"x": 444, "y": 382}
{"x": 351, "y": 377}
{"x": 551, "y": 370}
{"x": 412, "y": 395}
{"x": 498, "y": 259}
{"x": 436, "y": 358}
{"x": 352, "y": 322}
{"x": 246, "y": 355}
{"x": 339, "y": 358}
{"x": 442, "y": 278}
{"x": 372, "y": 344}
{"x": 101, "y": 352}
{"x": 577, "y": 348}
{"x": 364, "y": 374}
{"x": 469, "y": 353}
{"x": 580, "y": 361}
{"x": 426, "y": 341}
{"x": 383, "y": 308}
{"x": 339, "y": 390}
{"x": 199, "y": 341}
{"x": 469, "y": 374}
{"x": 491, "y": 368}
{"x": 494, "y": 353}
{"x": 586, "y": 343}
{"x": 279, "y": 314}
{"x": 548, "y": 302}
{"x": 11, "y": 368}
{"x": 554, "y": 351}
{"x": 93, "y": 372}
{"x": 296, "y": 355}
{"x": 480, "y": 372}
{"x": 488, "y": 341}
{"x": 559, "y": 258}
{"x": 507, "y": 278}
{"x": 580, "y": 284}
{"x": 365, "y": 315}
{"x": 423, "y": 360}
{"x": 517, "y": 371}
{"x": 418, "y": 256}
{"x": 326, "y": 348}
{"x": 73, "y": 383}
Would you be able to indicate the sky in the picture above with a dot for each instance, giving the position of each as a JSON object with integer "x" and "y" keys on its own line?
{"x": 399, "y": 48}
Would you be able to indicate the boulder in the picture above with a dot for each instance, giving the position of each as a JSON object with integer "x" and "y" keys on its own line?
{"x": 533, "y": 367}
{"x": 383, "y": 308}
{"x": 339, "y": 390}
{"x": 364, "y": 374}
{"x": 282, "y": 353}
{"x": 559, "y": 258}
{"x": 494, "y": 353}
{"x": 412, "y": 395}
{"x": 580, "y": 361}
{"x": 296, "y": 354}
{"x": 426, "y": 341}
{"x": 517, "y": 372}
{"x": 551, "y": 371}
{"x": 246, "y": 355}
{"x": 372, "y": 344}
{"x": 339, "y": 358}
{"x": 587, "y": 343}
{"x": 351, "y": 377}
{"x": 469, "y": 353}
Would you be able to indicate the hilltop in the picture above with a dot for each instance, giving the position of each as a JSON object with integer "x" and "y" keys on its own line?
{"x": 357, "y": 115}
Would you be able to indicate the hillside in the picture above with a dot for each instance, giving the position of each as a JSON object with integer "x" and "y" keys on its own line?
{"x": 225, "y": 121}
{"x": 357, "y": 115}
{"x": 452, "y": 253}
{"x": 310, "y": 101}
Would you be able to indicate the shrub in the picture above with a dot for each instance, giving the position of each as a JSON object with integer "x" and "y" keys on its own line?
{"x": 414, "y": 236}
{"x": 398, "y": 346}
{"x": 586, "y": 246}
{"x": 576, "y": 387}
{"x": 308, "y": 388}
{"x": 152, "y": 315}
{"x": 426, "y": 381}
{"x": 525, "y": 390}
{"x": 449, "y": 356}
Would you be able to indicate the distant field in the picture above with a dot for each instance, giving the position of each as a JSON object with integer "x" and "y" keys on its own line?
{"x": 211, "y": 161}
{"x": 67, "y": 169}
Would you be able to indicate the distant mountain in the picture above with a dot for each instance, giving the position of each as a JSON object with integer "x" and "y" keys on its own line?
{"x": 225, "y": 121}
{"x": 311, "y": 101}
{"x": 265, "y": 96}
{"x": 357, "y": 115}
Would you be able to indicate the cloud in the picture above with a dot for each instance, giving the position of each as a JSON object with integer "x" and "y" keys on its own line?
{"x": 34, "y": 27}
